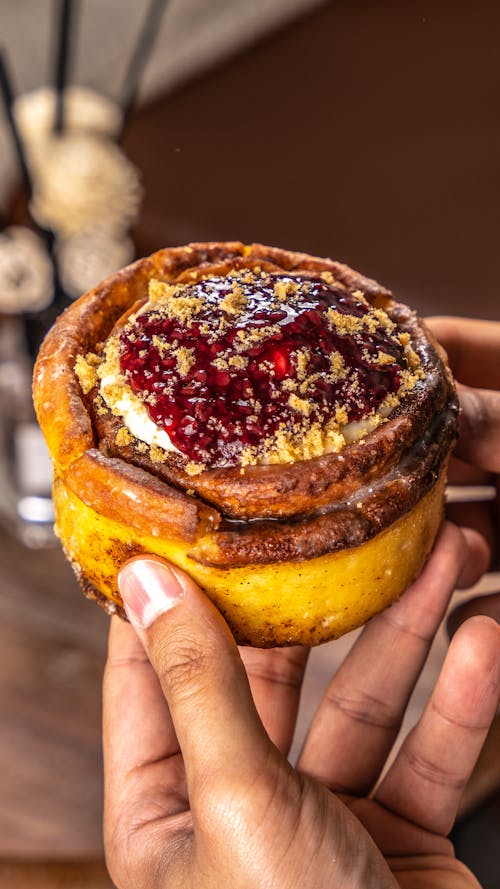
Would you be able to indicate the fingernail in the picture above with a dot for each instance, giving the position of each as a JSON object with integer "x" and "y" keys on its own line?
{"x": 148, "y": 589}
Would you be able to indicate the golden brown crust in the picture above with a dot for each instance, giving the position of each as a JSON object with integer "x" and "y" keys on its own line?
{"x": 266, "y": 513}
{"x": 95, "y": 595}
{"x": 349, "y": 523}
{"x": 272, "y": 491}
{"x": 107, "y": 483}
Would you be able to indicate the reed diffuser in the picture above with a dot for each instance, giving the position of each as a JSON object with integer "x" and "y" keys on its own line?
{"x": 82, "y": 196}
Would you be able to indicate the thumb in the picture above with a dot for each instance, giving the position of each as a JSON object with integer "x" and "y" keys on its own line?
{"x": 199, "y": 668}
{"x": 479, "y": 440}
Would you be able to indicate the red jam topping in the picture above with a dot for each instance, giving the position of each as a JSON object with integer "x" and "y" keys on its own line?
{"x": 228, "y": 363}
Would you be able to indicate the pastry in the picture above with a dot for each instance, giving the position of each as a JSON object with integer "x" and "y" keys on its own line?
{"x": 273, "y": 423}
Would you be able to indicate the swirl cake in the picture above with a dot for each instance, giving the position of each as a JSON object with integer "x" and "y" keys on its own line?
{"x": 273, "y": 423}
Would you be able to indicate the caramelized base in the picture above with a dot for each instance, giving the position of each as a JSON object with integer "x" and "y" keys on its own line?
{"x": 280, "y": 603}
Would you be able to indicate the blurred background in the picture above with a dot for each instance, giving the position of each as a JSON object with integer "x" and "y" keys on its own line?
{"x": 368, "y": 132}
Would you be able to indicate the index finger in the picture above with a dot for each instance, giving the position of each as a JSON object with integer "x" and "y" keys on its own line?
{"x": 426, "y": 780}
{"x": 275, "y": 676}
{"x": 472, "y": 346}
{"x": 137, "y": 728}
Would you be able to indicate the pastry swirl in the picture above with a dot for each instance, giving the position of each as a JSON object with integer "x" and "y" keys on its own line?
{"x": 336, "y": 457}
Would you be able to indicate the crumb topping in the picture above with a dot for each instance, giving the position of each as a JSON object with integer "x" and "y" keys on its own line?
{"x": 86, "y": 371}
{"x": 254, "y": 367}
{"x": 123, "y": 437}
{"x": 185, "y": 360}
{"x": 235, "y": 301}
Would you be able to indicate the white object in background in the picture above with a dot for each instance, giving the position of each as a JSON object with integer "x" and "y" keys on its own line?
{"x": 85, "y": 111}
{"x": 88, "y": 257}
{"x": 33, "y": 464}
{"x": 26, "y": 508}
{"x": 26, "y": 276}
{"x": 81, "y": 180}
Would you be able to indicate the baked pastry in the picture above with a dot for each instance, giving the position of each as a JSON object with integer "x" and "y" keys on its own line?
{"x": 273, "y": 423}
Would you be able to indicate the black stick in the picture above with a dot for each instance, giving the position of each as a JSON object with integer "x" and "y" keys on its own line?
{"x": 65, "y": 13}
{"x": 140, "y": 56}
{"x": 8, "y": 98}
{"x": 37, "y": 324}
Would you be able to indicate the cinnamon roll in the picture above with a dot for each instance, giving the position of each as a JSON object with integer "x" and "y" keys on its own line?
{"x": 275, "y": 424}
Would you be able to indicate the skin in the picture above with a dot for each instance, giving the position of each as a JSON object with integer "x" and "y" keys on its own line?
{"x": 199, "y": 792}
{"x": 473, "y": 349}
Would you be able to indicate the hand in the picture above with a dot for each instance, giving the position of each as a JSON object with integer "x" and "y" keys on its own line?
{"x": 199, "y": 793}
{"x": 473, "y": 349}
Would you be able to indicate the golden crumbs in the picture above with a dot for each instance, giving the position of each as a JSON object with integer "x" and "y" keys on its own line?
{"x": 344, "y": 324}
{"x": 176, "y": 304}
{"x": 192, "y": 468}
{"x": 284, "y": 289}
{"x": 303, "y": 357}
{"x": 158, "y": 455}
{"x": 123, "y": 437}
{"x": 235, "y": 302}
{"x": 185, "y": 360}
{"x": 300, "y": 404}
{"x": 384, "y": 358}
{"x": 86, "y": 371}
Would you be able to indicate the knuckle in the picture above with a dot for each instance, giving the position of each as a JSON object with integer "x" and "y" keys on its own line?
{"x": 432, "y": 772}
{"x": 183, "y": 668}
{"x": 480, "y": 409}
{"x": 475, "y": 413}
{"x": 125, "y": 662}
{"x": 137, "y": 856}
{"x": 364, "y": 708}
{"x": 124, "y": 868}
{"x": 272, "y": 674}
{"x": 229, "y": 803}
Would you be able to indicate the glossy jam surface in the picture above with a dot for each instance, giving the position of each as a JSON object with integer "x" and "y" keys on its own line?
{"x": 222, "y": 382}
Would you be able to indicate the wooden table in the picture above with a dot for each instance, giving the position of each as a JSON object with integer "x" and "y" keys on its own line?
{"x": 52, "y": 645}
{"x": 59, "y": 875}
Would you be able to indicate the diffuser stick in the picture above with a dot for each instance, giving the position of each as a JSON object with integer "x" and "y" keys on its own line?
{"x": 140, "y": 56}
{"x": 64, "y": 19}
{"x": 8, "y": 98}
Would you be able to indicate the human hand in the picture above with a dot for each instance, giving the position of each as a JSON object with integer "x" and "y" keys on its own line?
{"x": 199, "y": 793}
{"x": 473, "y": 349}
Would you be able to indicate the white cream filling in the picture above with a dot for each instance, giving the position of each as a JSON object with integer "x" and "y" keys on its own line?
{"x": 133, "y": 412}
{"x": 357, "y": 429}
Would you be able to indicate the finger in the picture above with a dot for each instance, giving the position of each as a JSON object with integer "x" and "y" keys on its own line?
{"x": 425, "y": 783}
{"x": 472, "y": 346}
{"x": 469, "y": 502}
{"x": 359, "y": 718}
{"x": 275, "y": 677}
{"x": 480, "y": 519}
{"x": 486, "y": 605}
{"x": 462, "y": 473}
{"x": 200, "y": 672}
{"x": 138, "y": 734}
{"x": 479, "y": 435}
{"x": 476, "y": 560}
{"x": 137, "y": 725}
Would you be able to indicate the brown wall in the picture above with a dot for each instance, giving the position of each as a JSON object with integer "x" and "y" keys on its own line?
{"x": 369, "y": 132}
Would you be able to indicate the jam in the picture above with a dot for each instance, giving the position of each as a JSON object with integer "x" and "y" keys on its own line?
{"x": 223, "y": 378}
